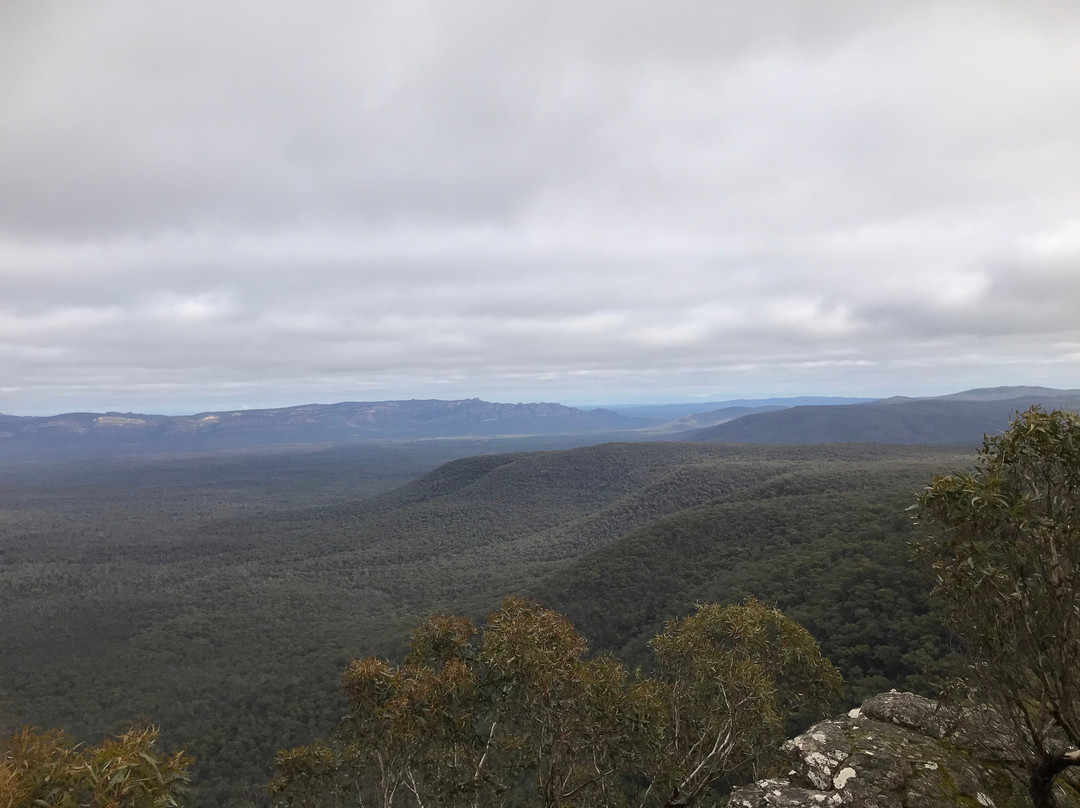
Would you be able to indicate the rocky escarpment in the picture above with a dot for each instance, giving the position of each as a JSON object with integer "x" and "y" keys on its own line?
{"x": 900, "y": 750}
{"x": 310, "y": 423}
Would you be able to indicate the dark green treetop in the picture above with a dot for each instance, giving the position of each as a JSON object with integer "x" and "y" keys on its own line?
{"x": 1003, "y": 544}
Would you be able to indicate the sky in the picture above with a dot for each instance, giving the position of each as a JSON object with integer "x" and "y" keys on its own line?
{"x": 224, "y": 204}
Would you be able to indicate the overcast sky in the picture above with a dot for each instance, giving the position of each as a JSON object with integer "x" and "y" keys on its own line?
{"x": 211, "y": 205}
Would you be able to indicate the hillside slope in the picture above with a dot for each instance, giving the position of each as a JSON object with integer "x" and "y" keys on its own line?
{"x": 961, "y": 418}
{"x": 823, "y": 537}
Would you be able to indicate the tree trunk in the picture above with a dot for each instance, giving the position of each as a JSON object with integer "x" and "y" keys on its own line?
{"x": 1041, "y": 784}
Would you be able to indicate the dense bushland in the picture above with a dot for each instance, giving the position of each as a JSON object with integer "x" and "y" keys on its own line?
{"x": 218, "y": 596}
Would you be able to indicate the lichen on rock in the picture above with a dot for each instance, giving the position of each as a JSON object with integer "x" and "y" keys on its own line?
{"x": 900, "y": 750}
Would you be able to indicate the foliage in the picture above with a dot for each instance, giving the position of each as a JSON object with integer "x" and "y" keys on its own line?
{"x": 518, "y": 714}
{"x": 47, "y": 771}
{"x": 1004, "y": 546}
{"x": 731, "y": 676}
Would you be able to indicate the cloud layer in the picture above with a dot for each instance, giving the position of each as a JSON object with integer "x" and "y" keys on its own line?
{"x": 212, "y": 204}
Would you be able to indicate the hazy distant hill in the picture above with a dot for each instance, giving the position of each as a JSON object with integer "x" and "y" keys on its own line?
{"x": 705, "y": 419}
{"x": 996, "y": 394}
{"x": 670, "y": 412}
{"x": 310, "y": 423}
{"x": 956, "y": 418}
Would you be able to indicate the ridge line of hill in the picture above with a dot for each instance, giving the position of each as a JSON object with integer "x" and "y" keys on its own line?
{"x": 958, "y": 418}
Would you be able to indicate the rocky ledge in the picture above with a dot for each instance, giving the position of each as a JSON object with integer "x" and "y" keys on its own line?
{"x": 900, "y": 750}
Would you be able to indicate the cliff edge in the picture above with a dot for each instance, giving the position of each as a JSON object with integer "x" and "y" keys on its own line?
{"x": 900, "y": 750}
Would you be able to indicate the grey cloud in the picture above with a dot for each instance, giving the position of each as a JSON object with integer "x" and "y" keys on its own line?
{"x": 201, "y": 200}
{"x": 201, "y": 114}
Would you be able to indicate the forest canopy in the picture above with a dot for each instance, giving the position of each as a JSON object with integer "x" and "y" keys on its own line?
{"x": 218, "y": 597}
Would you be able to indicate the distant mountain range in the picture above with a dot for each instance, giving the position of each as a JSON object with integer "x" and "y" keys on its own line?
{"x": 310, "y": 423}
{"x": 958, "y": 418}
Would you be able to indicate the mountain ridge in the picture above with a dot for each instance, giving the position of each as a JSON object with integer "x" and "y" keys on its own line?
{"x": 956, "y": 418}
{"x": 307, "y": 423}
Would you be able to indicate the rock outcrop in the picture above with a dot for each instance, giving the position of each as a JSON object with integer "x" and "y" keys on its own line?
{"x": 900, "y": 750}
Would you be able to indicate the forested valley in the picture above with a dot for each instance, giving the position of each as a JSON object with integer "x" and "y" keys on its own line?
{"x": 220, "y": 596}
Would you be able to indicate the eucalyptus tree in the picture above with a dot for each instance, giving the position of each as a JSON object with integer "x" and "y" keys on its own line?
{"x": 519, "y": 714}
{"x": 48, "y": 770}
{"x": 730, "y": 676}
{"x": 1003, "y": 544}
